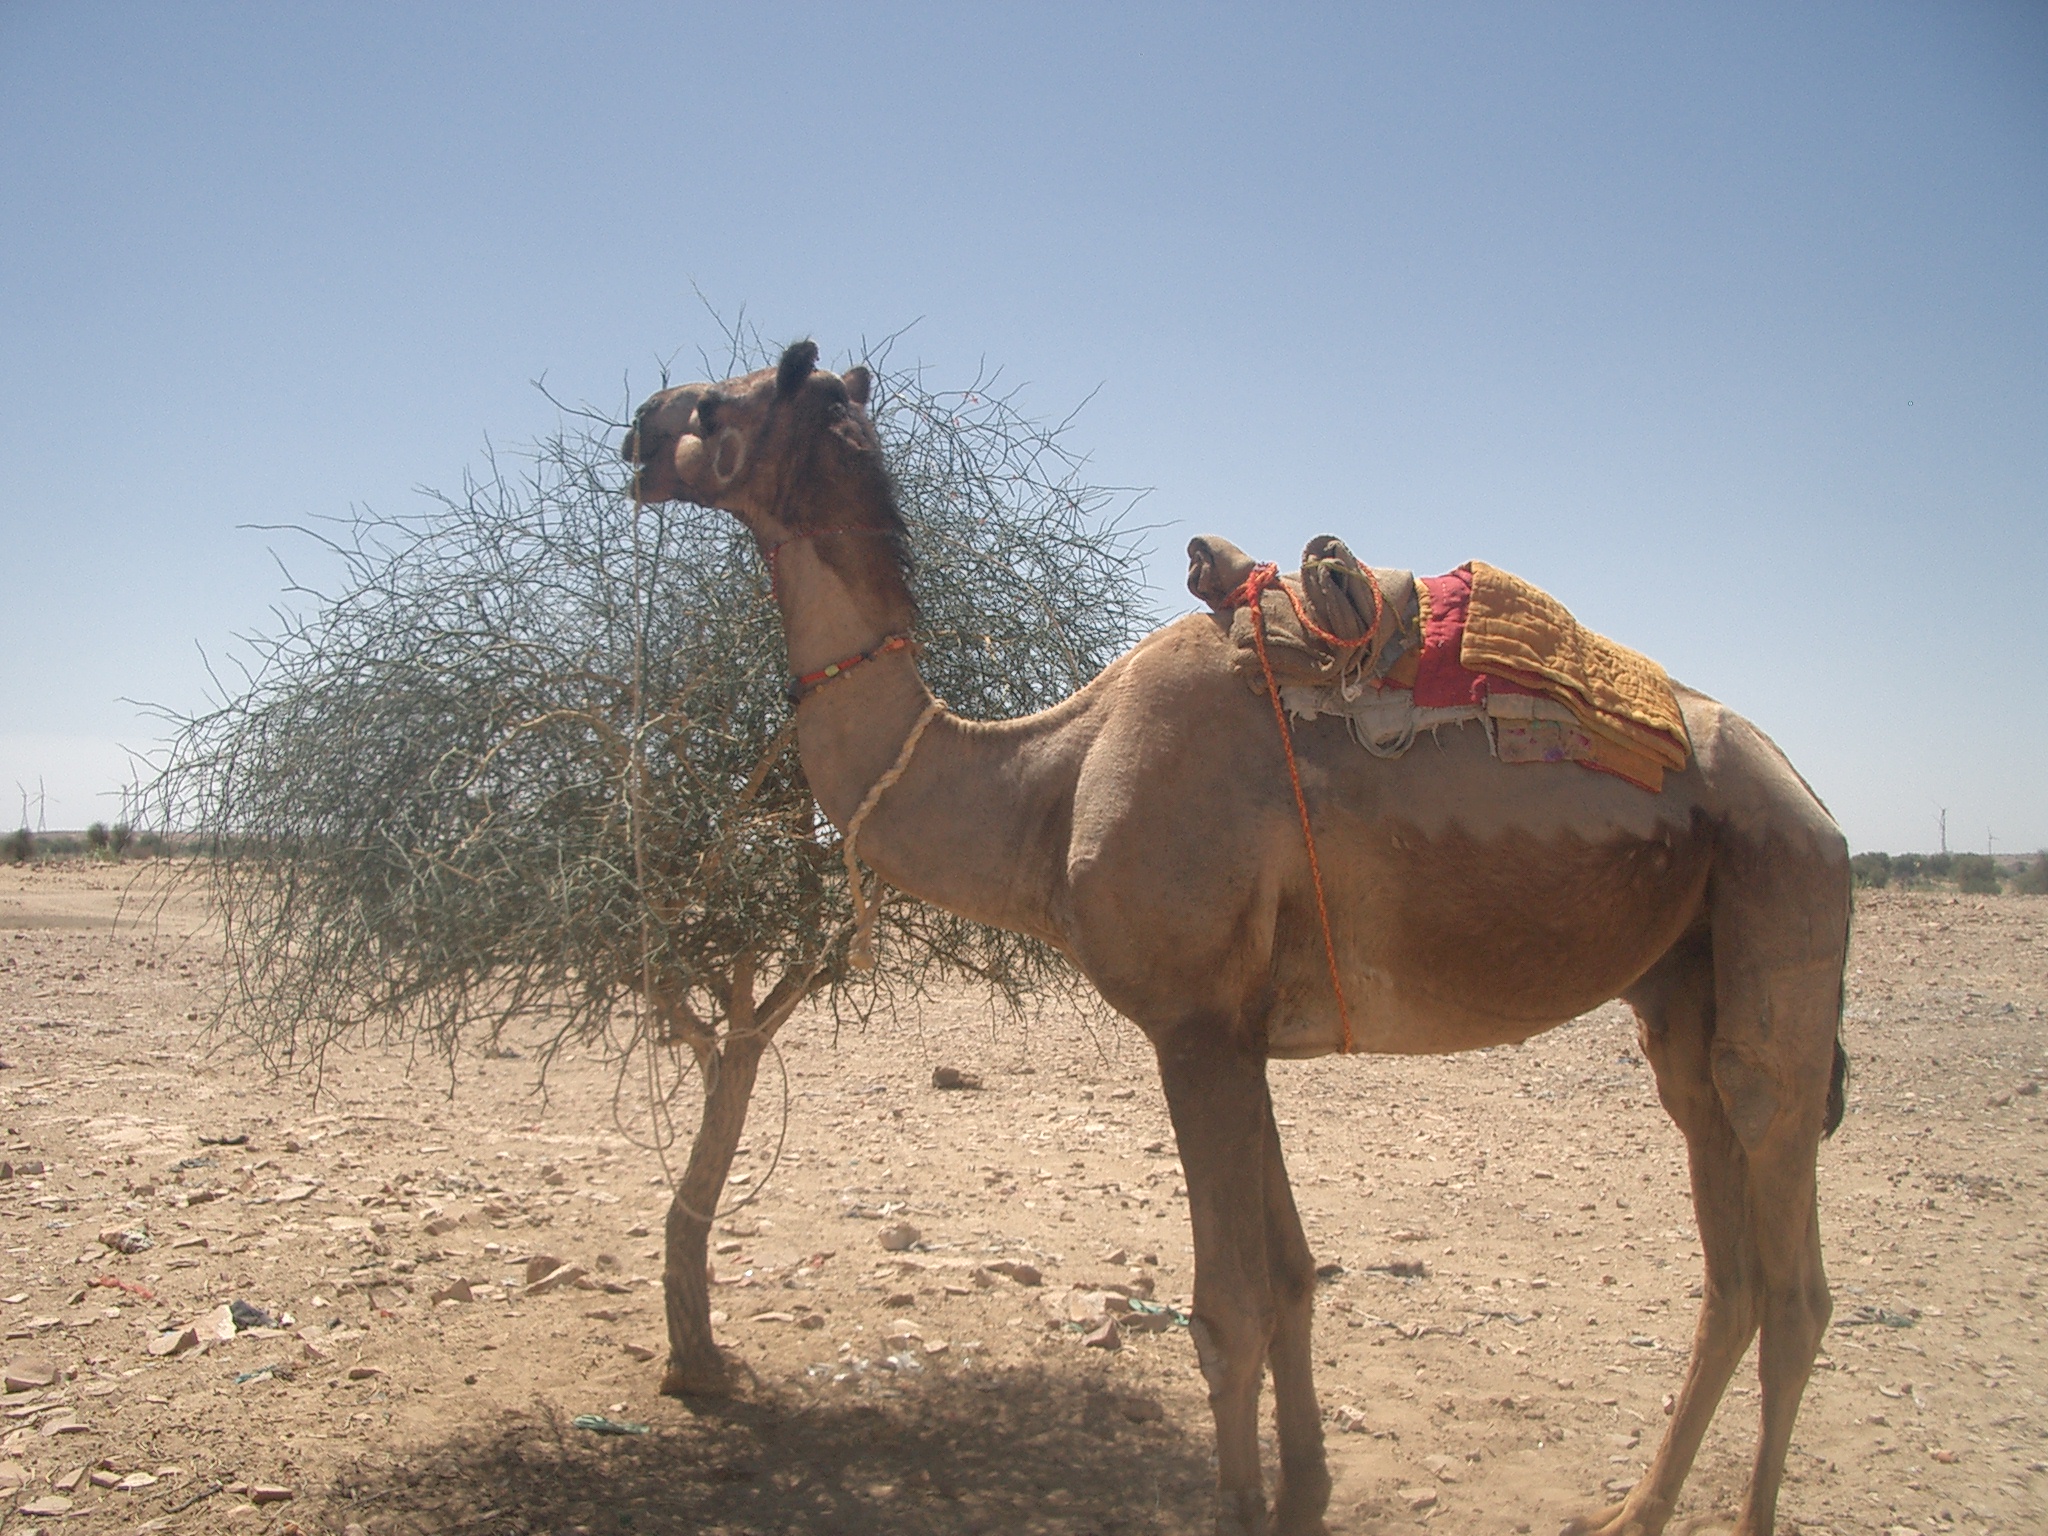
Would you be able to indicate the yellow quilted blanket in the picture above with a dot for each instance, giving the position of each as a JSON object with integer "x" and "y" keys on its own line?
{"x": 1516, "y": 629}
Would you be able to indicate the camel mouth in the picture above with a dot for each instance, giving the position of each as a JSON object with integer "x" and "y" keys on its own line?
{"x": 653, "y": 442}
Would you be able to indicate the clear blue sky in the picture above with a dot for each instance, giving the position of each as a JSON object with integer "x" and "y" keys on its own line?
{"x": 1726, "y": 323}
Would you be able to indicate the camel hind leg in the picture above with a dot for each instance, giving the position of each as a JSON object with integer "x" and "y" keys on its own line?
{"x": 1740, "y": 1027}
{"x": 1780, "y": 915}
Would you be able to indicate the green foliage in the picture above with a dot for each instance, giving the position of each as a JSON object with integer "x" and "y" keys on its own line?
{"x": 96, "y": 837}
{"x": 20, "y": 846}
{"x": 119, "y": 836}
{"x": 1976, "y": 874}
{"x": 1872, "y": 870}
{"x": 2033, "y": 879}
{"x": 532, "y": 757}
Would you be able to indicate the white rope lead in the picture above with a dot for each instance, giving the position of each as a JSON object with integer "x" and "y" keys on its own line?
{"x": 860, "y": 951}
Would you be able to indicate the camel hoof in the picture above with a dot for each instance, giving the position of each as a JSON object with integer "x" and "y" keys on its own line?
{"x": 1618, "y": 1520}
{"x": 1299, "y": 1502}
{"x": 1241, "y": 1514}
{"x": 1600, "y": 1523}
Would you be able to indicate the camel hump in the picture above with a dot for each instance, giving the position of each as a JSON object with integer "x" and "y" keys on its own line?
{"x": 1216, "y": 569}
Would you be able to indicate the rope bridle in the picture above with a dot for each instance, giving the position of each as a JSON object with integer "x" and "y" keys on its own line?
{"x": 1261, "y": 579}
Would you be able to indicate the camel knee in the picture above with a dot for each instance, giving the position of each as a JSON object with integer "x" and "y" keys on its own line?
{"x": 1231, "y": 1350}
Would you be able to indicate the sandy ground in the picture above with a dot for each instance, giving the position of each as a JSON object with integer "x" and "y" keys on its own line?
{"x": 1540, "y": 1188}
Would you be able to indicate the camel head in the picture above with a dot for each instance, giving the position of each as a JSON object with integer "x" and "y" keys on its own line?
{"x": 787, "y": 450}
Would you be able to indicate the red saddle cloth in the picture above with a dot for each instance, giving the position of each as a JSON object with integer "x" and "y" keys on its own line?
{"x": 1553, "y": 726}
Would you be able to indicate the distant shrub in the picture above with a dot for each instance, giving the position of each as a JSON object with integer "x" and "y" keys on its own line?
{"x": 1975, "y": 873}
{"x": 1942, "y": 865}
{"x": 2033, "y": 880}
{"x": 119, "y": 836}
{"x": 20, "y": 846}
{"x": 1872, "y": 870}
{"x": 96, "y": 837}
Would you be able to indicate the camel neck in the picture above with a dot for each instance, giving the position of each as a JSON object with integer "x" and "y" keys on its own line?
{"x": 954, "y": 829}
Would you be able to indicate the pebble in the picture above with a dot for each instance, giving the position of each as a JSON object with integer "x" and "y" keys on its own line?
{"x": 1014, "y": 1269}
{"x": 1106, "y": 1337}
{"x": 48, "y": 1504}
{"x": 952, "y": 1078}
{"x": 899, "y": 1237}
{"x": 216, "y": 1326}
{"x": 269, "y": 1493}
{"x": 454, "y": 1290}
{"x": 640, "y": 1352}
{"x": 29, "y": 1372}
{"x": 1419, "y": 1499}
{"x": 555, "y": 1279}
{"x": 1141, "y": 1410}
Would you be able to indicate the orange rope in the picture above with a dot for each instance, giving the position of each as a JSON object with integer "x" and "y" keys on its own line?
{"x": 1261, "y": 578}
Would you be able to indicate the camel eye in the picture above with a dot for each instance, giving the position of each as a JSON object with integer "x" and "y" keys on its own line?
{"x": 707, "y": 414}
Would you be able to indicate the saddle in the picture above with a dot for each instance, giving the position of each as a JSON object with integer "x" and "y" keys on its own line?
{"x": 1393, "y": 654}
{"x": 1335, "y": 623}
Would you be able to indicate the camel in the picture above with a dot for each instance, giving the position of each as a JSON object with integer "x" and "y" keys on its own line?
{"x": 1146, "y": 828}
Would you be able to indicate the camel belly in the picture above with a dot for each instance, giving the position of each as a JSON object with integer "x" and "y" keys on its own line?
{"x": 1450, "y": 941}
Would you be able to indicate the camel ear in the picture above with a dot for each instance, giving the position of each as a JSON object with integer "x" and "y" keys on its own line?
{"x": 860, "y": 384}
{"x": 797, "y": 365}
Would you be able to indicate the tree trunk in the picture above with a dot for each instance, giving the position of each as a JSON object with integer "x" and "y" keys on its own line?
{"x": 695, "y": 1365}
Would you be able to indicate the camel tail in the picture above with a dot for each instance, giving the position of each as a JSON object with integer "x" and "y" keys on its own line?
{"x": 1838, "y": 1092}
{"x": 1838, "y": 1080}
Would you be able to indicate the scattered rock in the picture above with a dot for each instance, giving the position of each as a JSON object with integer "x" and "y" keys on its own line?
{"x": 554, "y": 1279}
{"x": 641, "y": 1352}
{"x": 540, "y": 1266}
{"x": 364, "y": 1372}
{"x": 954, "y": 1078}
{"x": 810, "y": 1322}
{"x": 773, "y": 1317}
{"x": 1418, "y": 1499}
{"x": 269, "y": 1493}
{"x": 47, "y": 1504}
{"x": 1141, "y": 1410}
{"x": 1443, "y": 1468}
{"x": 2028, "y": 1089}
{"x": 127, "y": 1239}
{"x": 454, "y": 1290}
{"x": 1401, "y": 1269}
{"x": 174, "y": 1342}
{"x": 1015, "y": 1269}
{"x": 28, "y": 1372}
{"x": 899, "y": 1237}
{"x": 1105, "y": 1337}
{"x": 247, "y": 1316}
{"x": 216, "y": 1326}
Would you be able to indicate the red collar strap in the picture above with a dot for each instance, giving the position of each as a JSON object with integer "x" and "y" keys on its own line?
{"x": 801, "y": 688}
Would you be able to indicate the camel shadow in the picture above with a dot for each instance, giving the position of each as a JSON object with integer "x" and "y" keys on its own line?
{"x": 1018, "y": 1450}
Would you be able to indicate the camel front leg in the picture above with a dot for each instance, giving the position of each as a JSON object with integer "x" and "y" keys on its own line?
{"x": 1303, "y": 1492}
{"x": 1217, "y": 1098}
